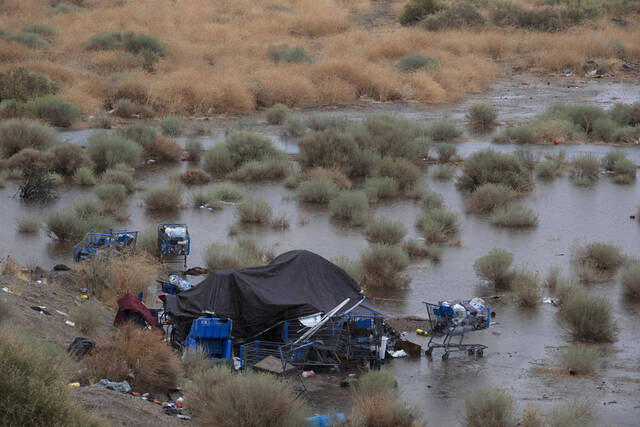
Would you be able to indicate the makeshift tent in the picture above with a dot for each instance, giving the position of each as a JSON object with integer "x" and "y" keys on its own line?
{"x": 296, "y": 283}
{"x": 131, "y": 308}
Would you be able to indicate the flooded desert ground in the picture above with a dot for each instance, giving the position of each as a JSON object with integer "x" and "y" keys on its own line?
{"x": 523, "y": 343}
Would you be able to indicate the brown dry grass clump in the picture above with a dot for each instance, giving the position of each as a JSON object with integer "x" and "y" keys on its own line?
{"x": 166, "y": 150}
{"x": 109, "y": 278}
{"x": 195, "y": 177}
{"x": 251, "y": 400}
{"x": 334, "y": 174}
{"x": 136, "y": 355}
{"x": 87, "y": 316}
{"x": 377, "y": 403}
{"x": 352, "y": 59}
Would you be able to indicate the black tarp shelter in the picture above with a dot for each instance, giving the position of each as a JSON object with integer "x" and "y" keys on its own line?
{"x": 295, "y": 283}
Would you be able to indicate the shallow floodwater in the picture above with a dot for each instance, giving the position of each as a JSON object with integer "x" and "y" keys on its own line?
{"x": 515, "y": 100}
{"x": 520, "y": 342}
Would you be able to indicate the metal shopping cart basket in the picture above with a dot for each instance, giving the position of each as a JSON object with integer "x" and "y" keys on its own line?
{"x": 448, "y": 319}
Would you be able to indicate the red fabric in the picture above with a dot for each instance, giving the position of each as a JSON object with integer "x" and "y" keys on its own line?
{"x": 129, "y": 302}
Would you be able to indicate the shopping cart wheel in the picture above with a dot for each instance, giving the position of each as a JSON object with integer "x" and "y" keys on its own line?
{"x": 445, "y": 356}
{"x": 428, "y": 352}
{"x": 479, "y": 353}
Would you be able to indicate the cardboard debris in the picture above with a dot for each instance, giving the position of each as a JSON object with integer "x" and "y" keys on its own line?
{"x": 273, "y": 365}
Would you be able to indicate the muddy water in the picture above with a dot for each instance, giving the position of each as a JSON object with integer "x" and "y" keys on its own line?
{"x": 522, "y": 342}
{"x": 515, "y": 99}
{"x": 519, "y": 342}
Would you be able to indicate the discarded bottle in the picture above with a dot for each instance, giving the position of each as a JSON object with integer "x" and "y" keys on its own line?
{"x": 307, "y": 374}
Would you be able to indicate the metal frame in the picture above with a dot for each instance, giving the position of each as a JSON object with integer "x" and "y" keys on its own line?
{"x": 443, "y": 323}
{"x": 165, "y": 248}
{"x": 290, "y": 354}
{"x": 113, "y": 241}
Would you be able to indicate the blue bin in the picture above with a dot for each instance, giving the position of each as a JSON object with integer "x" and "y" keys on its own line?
{"x": 324, "y": 420}
{"x": 212, "y": 335}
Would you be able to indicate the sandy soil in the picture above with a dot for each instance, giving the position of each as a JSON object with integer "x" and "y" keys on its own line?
{"x": 55, "y": 294}
{"x": 125, "y": 410}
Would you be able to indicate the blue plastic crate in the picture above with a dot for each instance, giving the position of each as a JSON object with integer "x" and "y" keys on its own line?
{"x": 212, "y": 335}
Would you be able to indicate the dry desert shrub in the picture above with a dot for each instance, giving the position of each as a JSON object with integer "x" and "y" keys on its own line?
{"x": 109, "y": 278}
{"x": 383, "y": 266}
{"x": 86, "y": 316}
{"x": 376, "y": 403}
{"x": 136, "y": 355}
{"x": 251, "y": 400}
{"x": 235, "y": 75}
{"x": 334, "y": 174}
{"x": 491, "y": 404}
{"x": 195, "y": 177}
{"x": 35, "y": 390}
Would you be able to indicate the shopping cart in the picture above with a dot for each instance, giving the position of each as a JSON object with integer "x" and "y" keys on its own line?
{"x": 448, "y": 319}
{"x": 97, "y": 244}
{"x": 174, "y": 244}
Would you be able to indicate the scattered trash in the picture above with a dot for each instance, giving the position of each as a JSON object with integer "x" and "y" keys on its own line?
{"x": 398, "y": 353}
{"x": 84, "y": 296}
{"x": 170, "y": 411}
{"x": 345, "y": 383}
{"x": 184, "y": 417}
{"x": 150, "y": 162}
{"x": 632, "y": 217}
{"x": 5, "y": 289}
{"x": 122, "y": 387}
{"x": 61, "y": 267}
{"x": 74, "y": 385}
{"x": 412, "y": 350}
{"x": 40, "y": 309}
{"x": 307, "y": 374}
{"x": 70, "y": 323}
{"x": 620, "y": 21}
{"x": 627, "y": 67}
{"x": 237, "y": 363}
{"x": 422, "y": 332}
{"x": 181, "y": 284}
{"x": 552, "y": 301}
{"x": 79, "y": 347}
{"x": 196, "y": 271}
{"x": 566, "y": 71}
{"x": 496, "y": 333}
{"x": 62, "y": 313}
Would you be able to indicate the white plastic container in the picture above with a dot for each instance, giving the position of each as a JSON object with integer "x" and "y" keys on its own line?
{"x": 383, "y": 347}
